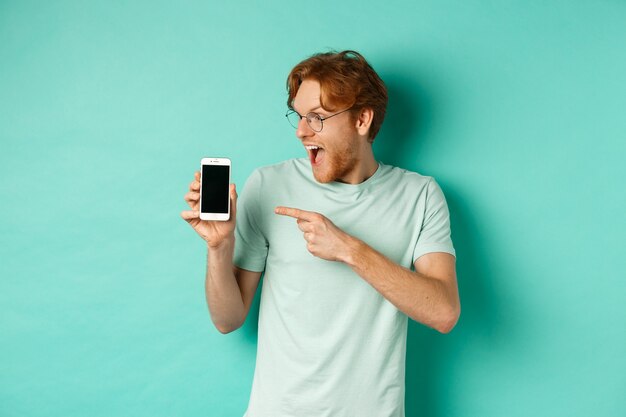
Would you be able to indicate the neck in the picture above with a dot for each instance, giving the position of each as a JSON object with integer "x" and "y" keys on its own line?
{"x": 364, "y": 169}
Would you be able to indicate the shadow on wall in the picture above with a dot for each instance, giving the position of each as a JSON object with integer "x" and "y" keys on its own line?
{"x": 412, "y": 116}
{"x": 432, "y": 357}
{"x": 408, "y": 117}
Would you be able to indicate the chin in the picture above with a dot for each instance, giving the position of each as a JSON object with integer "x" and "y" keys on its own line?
{"x": 323, "y": 178}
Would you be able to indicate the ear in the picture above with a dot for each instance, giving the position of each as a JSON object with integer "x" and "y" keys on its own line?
{"x": 364, "y": 121}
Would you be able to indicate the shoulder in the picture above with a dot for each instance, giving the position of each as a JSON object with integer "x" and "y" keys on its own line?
{"x": 279, "y": 172}
{"x": 411, "y": 186}
{"x": 402, "y": 176}
{"x": 281, "y": 168}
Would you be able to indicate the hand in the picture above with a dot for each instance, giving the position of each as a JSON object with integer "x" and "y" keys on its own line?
{"x": 213, "y": 232}
{"x": 324, "y": 239}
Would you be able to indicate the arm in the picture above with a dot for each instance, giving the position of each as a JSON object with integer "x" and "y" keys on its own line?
{"x": 428, "y": 295}
{"x": 229, "y": 291}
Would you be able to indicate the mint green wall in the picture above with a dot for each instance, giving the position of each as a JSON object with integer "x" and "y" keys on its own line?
{"x": 518, "y": 108}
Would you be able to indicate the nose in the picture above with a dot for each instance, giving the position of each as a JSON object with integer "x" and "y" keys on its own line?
{"x": 304, "y": 130}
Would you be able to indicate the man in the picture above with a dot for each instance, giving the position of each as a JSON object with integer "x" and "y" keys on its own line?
{"x": 336, "y": 236}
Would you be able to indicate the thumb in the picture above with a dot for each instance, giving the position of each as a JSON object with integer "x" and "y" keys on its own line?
{"x": 233, "y": 201}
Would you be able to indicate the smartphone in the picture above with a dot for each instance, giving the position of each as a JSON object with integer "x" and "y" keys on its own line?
{"x": 214, "y": 189}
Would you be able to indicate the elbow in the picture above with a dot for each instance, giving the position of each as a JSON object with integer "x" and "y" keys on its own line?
{"x": 227, "y": 327}
{"x": 449, "y": 319}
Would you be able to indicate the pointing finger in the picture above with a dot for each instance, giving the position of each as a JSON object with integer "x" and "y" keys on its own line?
{"x": 295, "y": 213}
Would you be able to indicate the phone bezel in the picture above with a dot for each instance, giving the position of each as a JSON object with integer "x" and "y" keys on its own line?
{"x": 215, "y": 161}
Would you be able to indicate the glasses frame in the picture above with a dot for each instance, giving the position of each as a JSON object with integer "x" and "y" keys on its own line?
{"x": 310, "y": 115}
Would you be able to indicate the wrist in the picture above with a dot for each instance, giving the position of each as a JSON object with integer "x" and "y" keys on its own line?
{"x": 353, "y": 247}
{"x": 224, "y": 245}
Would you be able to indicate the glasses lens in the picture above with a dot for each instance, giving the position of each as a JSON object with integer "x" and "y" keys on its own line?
{"x": 315, "y": 121}
{"x": 294, "y": 118}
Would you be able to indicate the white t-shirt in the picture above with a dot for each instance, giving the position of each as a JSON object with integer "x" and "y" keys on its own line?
{"x": 329, "y": 344}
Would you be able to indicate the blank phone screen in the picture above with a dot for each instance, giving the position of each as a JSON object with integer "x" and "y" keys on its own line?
{"x": 215, "y": 188}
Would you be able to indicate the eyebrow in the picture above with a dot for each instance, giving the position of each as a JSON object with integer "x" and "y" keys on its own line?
{"x": 316, "y": 109}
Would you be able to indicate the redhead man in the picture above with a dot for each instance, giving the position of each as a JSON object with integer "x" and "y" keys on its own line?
{"x": 350, "y": 249}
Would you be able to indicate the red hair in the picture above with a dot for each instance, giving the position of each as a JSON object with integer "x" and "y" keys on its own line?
{"x": 346, "y": 80}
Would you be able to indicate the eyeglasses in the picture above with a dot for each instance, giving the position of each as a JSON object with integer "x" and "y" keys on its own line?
{"x": 314, "y": 120}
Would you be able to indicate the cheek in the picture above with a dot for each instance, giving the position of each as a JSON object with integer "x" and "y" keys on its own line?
{"x": 341, "y": 143}
{"x": 346, "y": 148}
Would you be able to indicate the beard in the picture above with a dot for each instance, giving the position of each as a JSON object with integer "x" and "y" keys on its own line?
{"x": 338, "y": 162}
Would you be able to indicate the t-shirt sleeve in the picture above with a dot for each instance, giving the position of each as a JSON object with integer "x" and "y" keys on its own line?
{"x": 435, "y": 232}
{"x": 251, "y": 246}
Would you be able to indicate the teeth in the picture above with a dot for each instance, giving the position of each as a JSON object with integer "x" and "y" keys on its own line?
{"x": 311, "y": 147}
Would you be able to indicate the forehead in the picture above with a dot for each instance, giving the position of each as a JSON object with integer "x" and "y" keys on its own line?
{"x": 308, "y": 97}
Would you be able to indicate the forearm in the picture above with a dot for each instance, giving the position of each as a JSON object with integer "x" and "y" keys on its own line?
{"x": 427, "y": 300}
{"x": 223, "y": 294}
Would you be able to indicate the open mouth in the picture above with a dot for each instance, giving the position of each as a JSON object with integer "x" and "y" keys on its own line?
{"x": 316, "y": 154}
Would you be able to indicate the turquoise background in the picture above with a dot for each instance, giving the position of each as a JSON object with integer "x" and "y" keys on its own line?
{"x": 517, "y": 108}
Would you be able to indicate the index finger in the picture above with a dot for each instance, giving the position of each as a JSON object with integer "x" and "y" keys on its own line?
{"x": 295, "y": 213}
